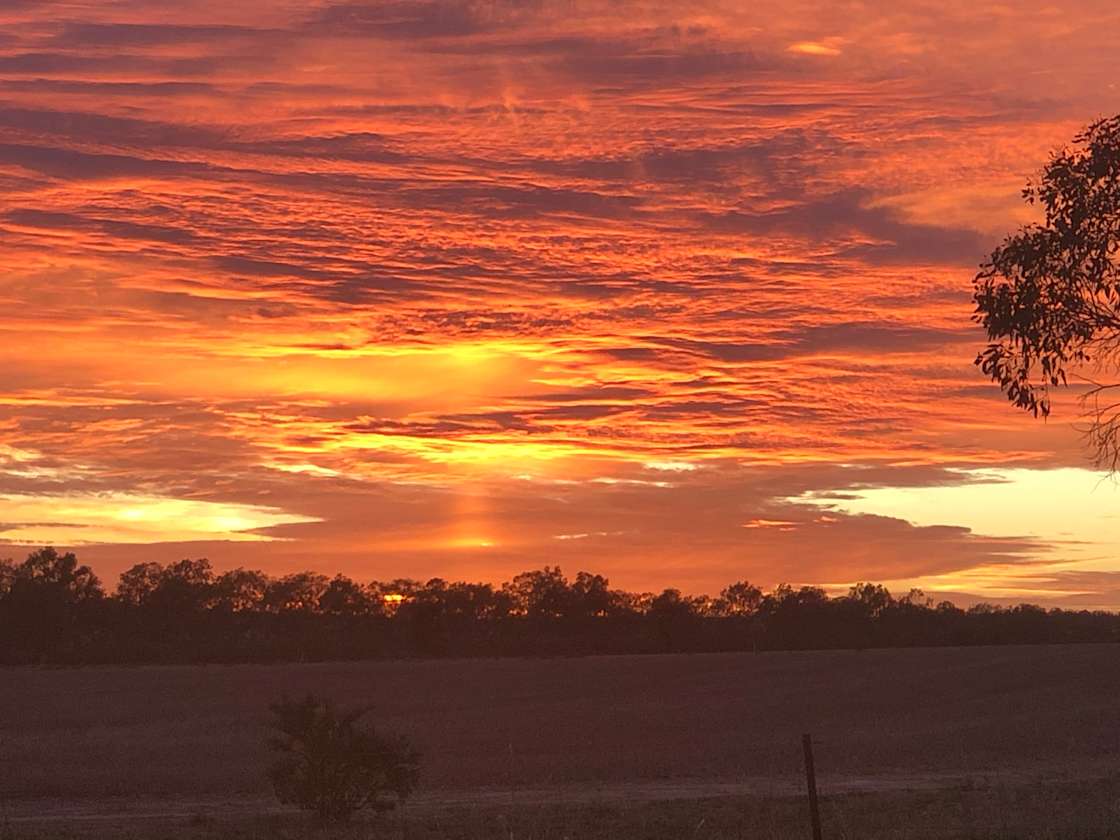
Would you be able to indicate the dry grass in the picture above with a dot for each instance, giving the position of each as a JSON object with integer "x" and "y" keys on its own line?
{"x": 1054, "y": 812}
{"x": 517, "y": 729}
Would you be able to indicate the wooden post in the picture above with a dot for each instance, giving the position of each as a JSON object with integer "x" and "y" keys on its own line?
{"x": 811, "y": 781}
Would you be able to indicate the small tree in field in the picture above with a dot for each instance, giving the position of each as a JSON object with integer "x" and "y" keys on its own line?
{"x": 329, "y": 764}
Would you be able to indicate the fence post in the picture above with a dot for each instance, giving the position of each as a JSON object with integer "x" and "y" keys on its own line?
{"x": 811, "y": 781}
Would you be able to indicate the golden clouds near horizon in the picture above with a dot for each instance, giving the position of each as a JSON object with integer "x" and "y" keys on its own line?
{"x": 113, "y": 517}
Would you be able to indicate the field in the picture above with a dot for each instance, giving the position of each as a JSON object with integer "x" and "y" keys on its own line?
{"x": 1011, "y": 741}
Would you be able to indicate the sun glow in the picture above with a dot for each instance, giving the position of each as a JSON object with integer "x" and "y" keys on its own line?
{"x": 470, "y": 542}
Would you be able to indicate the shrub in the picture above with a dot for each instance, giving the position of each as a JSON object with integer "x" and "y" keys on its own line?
{"x": 329, "y": 764}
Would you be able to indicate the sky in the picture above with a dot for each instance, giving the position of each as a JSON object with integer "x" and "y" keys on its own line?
{"x": 674, "y": 292}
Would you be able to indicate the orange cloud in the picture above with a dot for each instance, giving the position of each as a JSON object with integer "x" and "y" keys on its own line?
{"x": 814, "y": 48}
{"x": 434, "y": 283}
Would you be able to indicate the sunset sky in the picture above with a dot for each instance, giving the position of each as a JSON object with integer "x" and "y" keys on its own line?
{"x": 674, "y": 292}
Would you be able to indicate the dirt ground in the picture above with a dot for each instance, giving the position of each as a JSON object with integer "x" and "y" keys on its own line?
{"x": 89, "y": 747}
{"x": 978, "y": 810}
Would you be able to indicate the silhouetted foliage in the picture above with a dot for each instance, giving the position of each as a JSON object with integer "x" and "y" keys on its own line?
{"x": 1049, "y": 296}
{"x": 740, "y": 598}
{"x": 47, "y": 604}
{"x": 329, "y": 763}
{"x": 53, "y": 610}
{"x": 239, "y": 590}
{"x": 540, "y": 594}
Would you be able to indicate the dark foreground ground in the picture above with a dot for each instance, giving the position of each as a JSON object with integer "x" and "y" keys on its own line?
{"x": 981, "y": 742}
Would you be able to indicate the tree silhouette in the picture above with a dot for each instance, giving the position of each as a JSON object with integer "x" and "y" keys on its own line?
{"x": 139, "y": 583}
{"x": 53, "y": 610}
{"x": 240, "y": 590}
{"x": 329, "y": 764}
{"x": 741, "y": 598}
{"x": 181, "y": 588}
{"x": 345, "y": 597}
{"x": 47, "y": 604}
{"x": 871, "y": 598}
{"x": 591, "y": 596}
{"x": 674, "y": 617}
{"x": 296, "y": 593}
{"x": 1049, "y": 296}
{"x": 542, "y": 593}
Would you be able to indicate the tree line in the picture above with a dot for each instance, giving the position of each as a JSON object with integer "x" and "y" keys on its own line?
{"x": 53, "y": 610}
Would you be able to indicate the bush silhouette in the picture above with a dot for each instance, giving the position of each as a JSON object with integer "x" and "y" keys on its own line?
{"x": 329, "y": 764}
